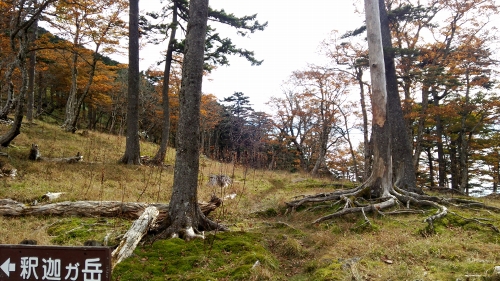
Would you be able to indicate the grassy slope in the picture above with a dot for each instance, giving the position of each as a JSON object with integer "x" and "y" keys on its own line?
{"x": 287, "y": 247}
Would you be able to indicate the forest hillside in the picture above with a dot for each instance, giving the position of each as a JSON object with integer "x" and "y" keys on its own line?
{"x": 266, "y": 241}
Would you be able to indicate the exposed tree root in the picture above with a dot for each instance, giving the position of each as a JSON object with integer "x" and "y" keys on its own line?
{"x": 188, "y": 229}
{"x": 350, "y": 210}
{"x": 352, "y": 204}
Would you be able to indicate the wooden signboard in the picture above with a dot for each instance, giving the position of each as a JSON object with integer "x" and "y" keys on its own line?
{"x": 26, "y": 262}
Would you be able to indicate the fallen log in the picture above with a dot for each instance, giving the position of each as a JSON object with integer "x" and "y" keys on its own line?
{"x": 68, "y": 160}
{"x": 36, "y": 156}
{"x": 128, "y": 210}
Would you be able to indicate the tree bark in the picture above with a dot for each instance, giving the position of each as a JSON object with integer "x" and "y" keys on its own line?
{"x": 402, "y": 155}
{"x": 132, "y": 146}
{"x": 184, "y": 214}
{"x": 380, "y": 180}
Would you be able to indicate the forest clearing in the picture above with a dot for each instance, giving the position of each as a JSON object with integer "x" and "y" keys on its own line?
{"x": 287, "y": 246}
{"x": 362, "y": 170}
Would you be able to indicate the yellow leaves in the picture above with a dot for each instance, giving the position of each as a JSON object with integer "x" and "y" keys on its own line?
{"x": 210, "y": 112}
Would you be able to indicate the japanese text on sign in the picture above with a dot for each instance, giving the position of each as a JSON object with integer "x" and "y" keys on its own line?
{"x": 54, "y": 263}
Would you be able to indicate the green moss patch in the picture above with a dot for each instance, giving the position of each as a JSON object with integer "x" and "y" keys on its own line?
{"x": 224, "y": 256}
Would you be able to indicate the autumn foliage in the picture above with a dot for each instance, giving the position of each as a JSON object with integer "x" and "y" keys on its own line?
{"x": 320, "y": 122}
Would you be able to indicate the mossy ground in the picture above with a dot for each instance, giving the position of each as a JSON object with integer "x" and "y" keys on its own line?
{"x": 238, "y": 255}
{"x": 287, "y": 245}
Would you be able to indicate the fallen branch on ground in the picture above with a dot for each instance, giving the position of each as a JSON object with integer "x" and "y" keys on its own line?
{"x": 134, "y": 235}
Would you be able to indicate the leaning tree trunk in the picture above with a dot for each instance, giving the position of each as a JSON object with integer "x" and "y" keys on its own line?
{"x": 185, "y": 218}
{"x": 165, "y": 132}
{"x": 132, "y": 146}
{"x": 79, "y": 102}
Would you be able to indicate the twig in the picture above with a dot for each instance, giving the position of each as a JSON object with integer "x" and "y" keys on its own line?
{"x": 366, "y": 218}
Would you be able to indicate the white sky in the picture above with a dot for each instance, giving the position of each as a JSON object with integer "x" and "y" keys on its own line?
{"x": 291, "y": 40}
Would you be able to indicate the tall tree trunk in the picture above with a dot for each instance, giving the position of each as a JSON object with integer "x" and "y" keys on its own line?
{"x": 464, "y": 144}
{"x": 40, "y": 95}
{"x": 132, "y": 145}
{"x": 439, "y": 144}
{"x": 402, "y": 155}
{"x": 185, "y": 218}
{"x": 421, "y": 126}
{"x": 323, "y": 141}
{"x": 380, "y": 180}
{"x": 455, "y": 178}
{"x": 366, "y": 134}
{"x": 72, "y": 98}
{"x": 321, "y": 159}
{"x": 496, "y": 175}
{"x": 32, "y": 73}
{"x": 430, "y": 158}
{"x": 165, "y": 132}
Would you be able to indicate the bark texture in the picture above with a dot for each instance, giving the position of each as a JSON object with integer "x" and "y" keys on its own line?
{"x": 184, "y": 215}
{"x": 402, "y": 156}
{"x": 381, "y": 178}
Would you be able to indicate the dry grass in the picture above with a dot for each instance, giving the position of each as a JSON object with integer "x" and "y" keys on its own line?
{"x": 391, "y": 248}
